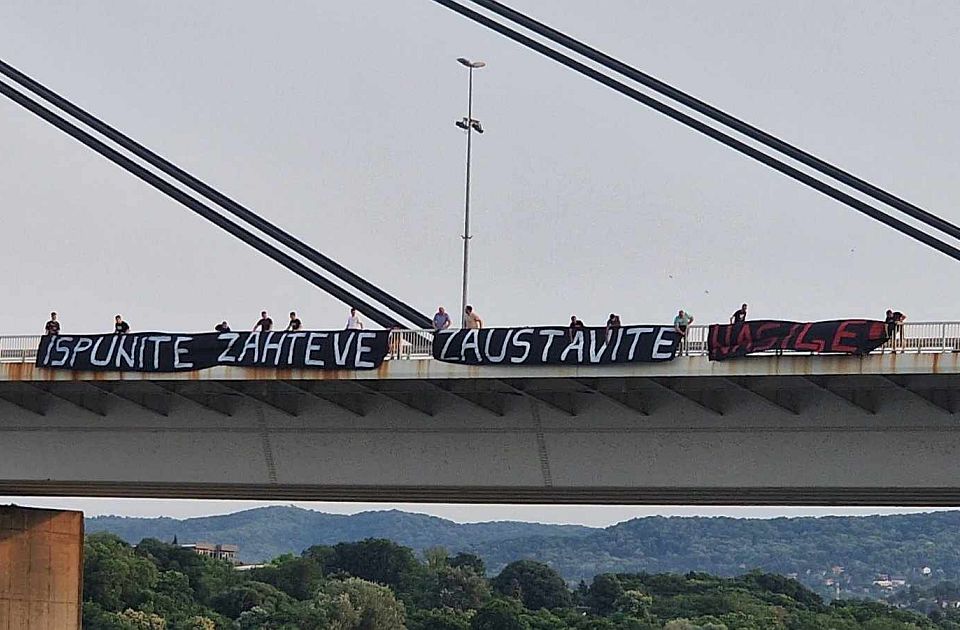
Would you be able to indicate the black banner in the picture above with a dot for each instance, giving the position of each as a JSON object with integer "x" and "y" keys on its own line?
{"x": 177, "y": 352}
{"x": 556, "y": 346}
{"x": 842, "y": 336}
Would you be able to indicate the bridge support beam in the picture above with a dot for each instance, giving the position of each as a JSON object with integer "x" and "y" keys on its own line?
{"x": 775, "y": 430}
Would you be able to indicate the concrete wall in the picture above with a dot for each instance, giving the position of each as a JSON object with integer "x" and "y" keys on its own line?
{"x": 41, "y": 569}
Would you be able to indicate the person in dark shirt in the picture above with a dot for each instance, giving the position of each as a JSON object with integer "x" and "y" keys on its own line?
{"x": 222, "y": 327}
{"x": 295, "y": 323}
{"x": 613, "y": 322}
{"x": 120, "y": 327}
{"x": 894, "y": 322}
{"x": 264, "y": 323}
{"x": 575, "y": 325}
{"x": 52, "y": 327}
{"x": 739, "y": 316}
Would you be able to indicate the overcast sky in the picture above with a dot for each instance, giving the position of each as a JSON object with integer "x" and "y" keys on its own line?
{"x": 335, "y": 120}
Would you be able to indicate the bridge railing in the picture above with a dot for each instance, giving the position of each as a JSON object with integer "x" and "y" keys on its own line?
{"x": 919, "y": 337}
{"x": 19, "y": 348}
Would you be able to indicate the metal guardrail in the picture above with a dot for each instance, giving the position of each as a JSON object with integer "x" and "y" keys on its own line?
{"x": 918, "y": 337}
{"x": 18, "y": 348}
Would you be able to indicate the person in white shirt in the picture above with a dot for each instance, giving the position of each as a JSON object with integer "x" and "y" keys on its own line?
{"x": 354, "y": 322}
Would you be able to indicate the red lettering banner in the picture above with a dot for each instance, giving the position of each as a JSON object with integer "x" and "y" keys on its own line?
{"x": 842, "y": 336}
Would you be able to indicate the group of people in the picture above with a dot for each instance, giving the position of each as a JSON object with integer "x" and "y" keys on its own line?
{"x": 52, "y": 327}
{"x": 441, "y": 321}
{"x": 613, "y": 322}
{"x": 264, "y": 324}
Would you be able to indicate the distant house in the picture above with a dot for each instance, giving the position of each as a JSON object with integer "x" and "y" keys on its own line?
{"x": 887, "y": 582}
{"x": 218, "y": 551}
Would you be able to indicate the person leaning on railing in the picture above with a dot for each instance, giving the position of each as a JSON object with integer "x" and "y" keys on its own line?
{"x": 894, "y": 322}
{"x": 680, "y": 324}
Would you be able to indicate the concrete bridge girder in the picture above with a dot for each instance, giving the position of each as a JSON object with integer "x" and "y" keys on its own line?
{"x": 871, "y": 431}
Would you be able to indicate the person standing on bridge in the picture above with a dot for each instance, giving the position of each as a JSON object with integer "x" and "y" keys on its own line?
{"x": 120, "y": 327}
{"x": 354, "y": 322}
{"x": 264, "y": 323}
{"x": 740, "y": 316}
{"x": 894, "y": 321}
{"x": 680, "y": 324}
{"x": 52, "y": 327}
{"x": 441, "y": 320}
{"x": 471, "y": 319}
{"x": 295, "y": 323}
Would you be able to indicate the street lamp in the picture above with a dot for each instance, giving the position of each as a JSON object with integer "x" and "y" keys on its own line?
{"x": 470, "y": 125}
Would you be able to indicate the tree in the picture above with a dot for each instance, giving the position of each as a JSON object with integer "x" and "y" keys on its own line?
{"x": 297, "y": 577}
{"x": 321, "y": 554}
{"x": 469, "y": 560}
{"x": 780, "y": 584}
{"x": 375, "y": 560}
{"x": 289, "y": 615}
{"x": 96, "y": 618}
{"x": 143, "y": 621}
{"x": 686, "y": 624}
{"x": 634, "y": 604}
{"x": 534, "y": 583}
{"x": 889, "y": 624}
{"x": 603, "y": 594}
{"x": 436, "y": 558}
{"x": 199, "y": 622}
{"x": 113, "y": 575}
{"x": 207, "y": 575}
{"x": 237, "y": 600}
{"x": 172, "y": 597}
{"x": 355, "y": 604}
{"x": 460, "y": 588}
{"x": 500, "y": 614}
{"x": 438, "y": 619}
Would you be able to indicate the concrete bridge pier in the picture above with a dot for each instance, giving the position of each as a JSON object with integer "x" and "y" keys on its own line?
{"x": 41, "y": 569}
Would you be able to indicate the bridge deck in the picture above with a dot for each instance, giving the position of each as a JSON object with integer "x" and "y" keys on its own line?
{"x": 812, "y": 430}
{"x": 425, "y": 368}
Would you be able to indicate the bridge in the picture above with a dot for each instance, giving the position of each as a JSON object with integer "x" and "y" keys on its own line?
{"x": 769, "y": 429}
{"x": 792, "y": 429}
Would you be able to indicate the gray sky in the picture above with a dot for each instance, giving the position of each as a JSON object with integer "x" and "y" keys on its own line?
{"x": 335, "y": 120}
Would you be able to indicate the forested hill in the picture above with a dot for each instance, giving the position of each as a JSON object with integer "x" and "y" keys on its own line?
{"x": 864, "y": 547}
{"x": 265, "y": 533}
{"x": 901, "y": 546}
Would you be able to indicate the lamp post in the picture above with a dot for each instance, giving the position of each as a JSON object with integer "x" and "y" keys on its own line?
{"x": 470, "y": 125}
